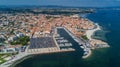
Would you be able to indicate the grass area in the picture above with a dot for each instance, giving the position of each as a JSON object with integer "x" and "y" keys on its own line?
{"x": 3, "y": 56}
{"x": 84, "y": 37}
{"x": 21, "y": 40}
{"x": 2, "y": 60}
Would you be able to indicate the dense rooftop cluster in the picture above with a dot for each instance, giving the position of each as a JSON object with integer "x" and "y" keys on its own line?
{"x": 72, "y": 23}
{"x": 14, "y": 26}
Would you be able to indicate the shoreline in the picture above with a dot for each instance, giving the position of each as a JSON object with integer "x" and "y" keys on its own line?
{"x": 31, "y": 55}
{"x": 18, "y": 57}
{"x": 91, "y": 32}
{"x": 20, "y": 60}
{"x": 26, "y": 54}
{"x": 88, "y": 33}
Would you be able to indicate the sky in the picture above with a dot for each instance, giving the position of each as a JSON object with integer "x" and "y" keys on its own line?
{"x": 78, "y": 3}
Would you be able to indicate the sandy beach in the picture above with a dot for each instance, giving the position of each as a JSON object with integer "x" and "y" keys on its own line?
{"x": 89, "y": 33}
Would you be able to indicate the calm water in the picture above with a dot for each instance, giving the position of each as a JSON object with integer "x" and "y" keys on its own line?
{"x": 106, "y": 57}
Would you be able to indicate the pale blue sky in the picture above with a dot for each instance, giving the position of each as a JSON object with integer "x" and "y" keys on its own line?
{"x": 62, "y": 2}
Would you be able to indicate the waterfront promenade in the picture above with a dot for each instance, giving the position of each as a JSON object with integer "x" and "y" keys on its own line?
{"x": 17, "y": 57}
{"x": 33, "y": 52}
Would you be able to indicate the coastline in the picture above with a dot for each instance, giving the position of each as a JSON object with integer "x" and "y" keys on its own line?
{"x": 90, "y": 32}
{"x": 10, "y": 62}
{"x": 25, "y": 56}
{"x": 94, "y": 42}
{"x": 20, "y": 60}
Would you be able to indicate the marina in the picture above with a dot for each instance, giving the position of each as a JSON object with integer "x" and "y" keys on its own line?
{"x": 100, "y": 57}
{"x": 73, "y": 42}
